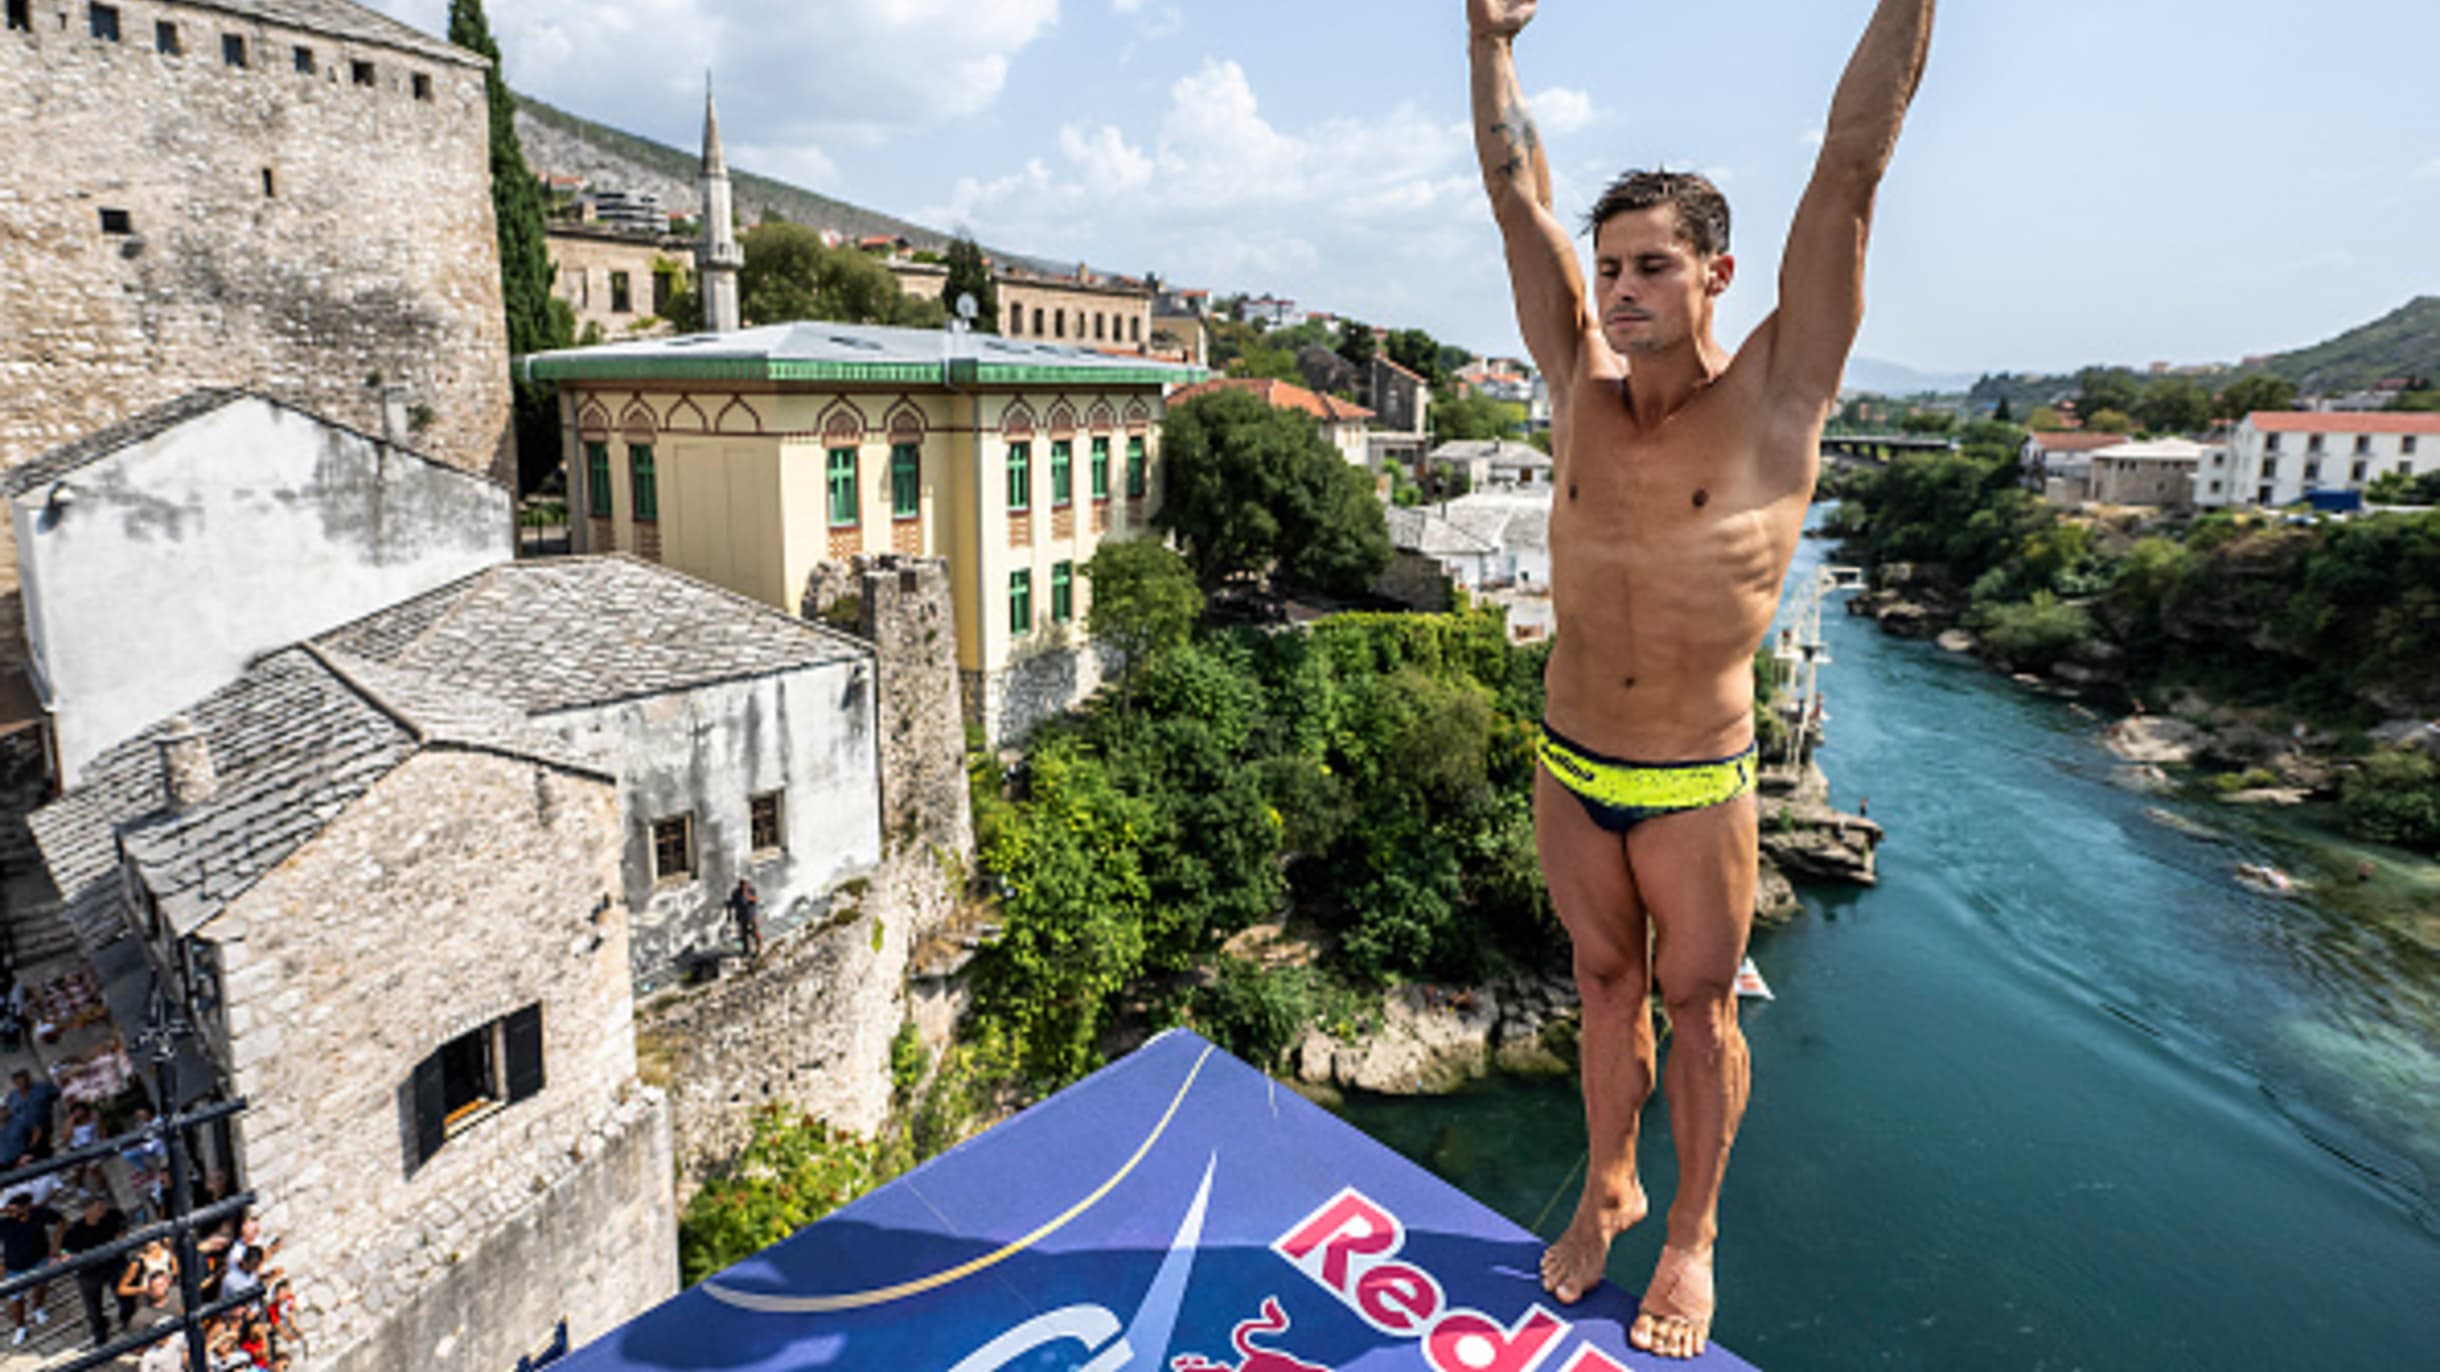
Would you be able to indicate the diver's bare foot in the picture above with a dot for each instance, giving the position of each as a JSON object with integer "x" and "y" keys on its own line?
{"x": 1674, "y": 1318}
{"x": 1573, "y": 1265}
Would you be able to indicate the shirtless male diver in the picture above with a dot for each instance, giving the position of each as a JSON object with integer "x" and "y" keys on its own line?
{"x": 1682, "y": 478}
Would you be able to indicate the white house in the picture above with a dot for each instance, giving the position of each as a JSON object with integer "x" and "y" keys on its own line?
{"x": 2158, "y": 472}
{"x": 1490, "y": 463}
{"x": 162, "y": 554}
{"x": 2279, "y": 457}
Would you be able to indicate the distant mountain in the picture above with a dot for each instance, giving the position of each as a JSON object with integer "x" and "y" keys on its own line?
{"x": 1890, "y": 378}
{"x": 559, "y": 143}
{"x": 2404, "y": 342}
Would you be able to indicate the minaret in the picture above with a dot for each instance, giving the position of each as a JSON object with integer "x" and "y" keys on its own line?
{"x": 717, "y": 257}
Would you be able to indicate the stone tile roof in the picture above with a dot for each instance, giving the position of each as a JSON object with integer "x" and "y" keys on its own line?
{"x": 1498, "y": 450}
{"x": 341, "y": 19}
{"x": 563, "y": 633}
{"x": 295, "y": 740}
{"x": 1415, "y": 529}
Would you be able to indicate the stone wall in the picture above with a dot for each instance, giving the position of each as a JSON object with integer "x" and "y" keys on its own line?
{"x": 460, "y": 889}
{"x": 298, "y": 233}
{"x": 902, "y": 606}
{"x": 1048, "y": 681}
{"x": 1414, "y": 581}
{"x": 582, "y": 261}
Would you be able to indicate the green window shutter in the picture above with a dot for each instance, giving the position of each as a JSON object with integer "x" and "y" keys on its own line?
{"x": 1020, "y": 602}
{"x": 1063, "y": 481}
{"x": 597, "y": 479}
{"x": 1020, "y": 477}
{"x": 843, "y": 494}
{"x": 1063, "y": 592}
{"x": 906, "y": 480}
{"x": 1135, "y": 467}
{"x": 1101, "y": 469}
{"x": 647, "y": 491}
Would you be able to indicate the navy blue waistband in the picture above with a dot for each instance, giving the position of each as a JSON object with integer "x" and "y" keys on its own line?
{"x": 1608, "y": 761}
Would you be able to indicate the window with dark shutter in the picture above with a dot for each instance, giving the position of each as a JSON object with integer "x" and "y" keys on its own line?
{"x": 425, "y": 1096}
{"x": 524, "y": 1051}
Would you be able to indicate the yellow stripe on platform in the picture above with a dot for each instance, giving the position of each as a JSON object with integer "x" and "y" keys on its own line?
{"x": 883, "y": 1295}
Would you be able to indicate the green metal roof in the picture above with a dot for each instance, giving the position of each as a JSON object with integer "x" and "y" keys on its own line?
{"x": 815, "y": 351}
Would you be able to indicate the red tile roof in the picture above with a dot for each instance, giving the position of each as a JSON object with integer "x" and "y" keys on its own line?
{"x": 1406, "y": 372}
{"x": 2076, "y": 442}
{"x": 1279, "y": 395}
{"x": 2376, "y": 422}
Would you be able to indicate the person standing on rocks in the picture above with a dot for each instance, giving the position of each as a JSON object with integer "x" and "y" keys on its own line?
{"x": 745, "y": 907}
{"x": 1683, "y": 474}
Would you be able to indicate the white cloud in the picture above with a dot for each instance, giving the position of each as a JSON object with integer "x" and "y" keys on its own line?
{"x": 1234, "y": 200}
{"x": 1562, "y": 110}
{"x": 800, "y": 76}
{"x": 2429, "y": 171}
{"x": 1812, "y": 138}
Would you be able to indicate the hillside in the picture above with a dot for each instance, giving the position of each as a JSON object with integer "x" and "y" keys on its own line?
{"x": 556, "y": 141}
{"x": 2404, "y": 342}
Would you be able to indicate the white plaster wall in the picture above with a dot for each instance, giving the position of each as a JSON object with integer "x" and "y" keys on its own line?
{"x": 810, "y": 734}
{"x": 245, "y": 529}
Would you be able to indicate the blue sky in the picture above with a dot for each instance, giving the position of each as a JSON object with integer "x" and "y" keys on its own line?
{"x": 2081, "y": 180}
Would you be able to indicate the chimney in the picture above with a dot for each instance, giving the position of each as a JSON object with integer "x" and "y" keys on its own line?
{"x": 186, "y": 766}
{"x": 394, "y": 415}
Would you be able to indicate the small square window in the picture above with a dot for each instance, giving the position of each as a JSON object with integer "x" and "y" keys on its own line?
{"x": 271, "y": 185}
{"x": 302, "y": 59}
{"x": 673, "y": 848}
{"x": 2357, "y": 473}
{"x": 21, "y": 16}
{"x": 2407, "y": 446}
{"x": 102, "y": 21}
{"x": 2313, "y": 444}
{"x": 2270, "y": 444}
{"x": 422, "y": 83}
{"x": 1020, "y": 602}
{"x": 360, "y": 72}
{"x": 117, "y": 221}
{"x": 764, "y": 814}
{"x": 470, "y": 1080}
{"x": 2363, "y": 443}
{"x": 232, "y": 50}
{"x": 622, "y": 295}
{"x": 165, "y": 40}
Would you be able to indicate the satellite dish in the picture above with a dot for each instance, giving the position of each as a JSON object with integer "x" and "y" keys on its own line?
{"x": 966, "y": 308}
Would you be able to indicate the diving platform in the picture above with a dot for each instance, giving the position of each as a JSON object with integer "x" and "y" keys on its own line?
{"x": 1177, "y": 1211}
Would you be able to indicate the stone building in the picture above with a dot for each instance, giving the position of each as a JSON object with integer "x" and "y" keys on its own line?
{"x": 1086, "y": 310}
{"x": 194, "y": 536}
{"x": 287, "y": 195}
{"x": 2158, "y": 472}
{"x": 393, "y": 910}
{"x": 617, "y": 281}
{"x": 743, "y": 737}
{"x": 747, "y": 459}
{"x": 1401, "y": 403}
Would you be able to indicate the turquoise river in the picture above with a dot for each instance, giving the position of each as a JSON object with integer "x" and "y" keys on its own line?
{"x": 2058, "y": 1093}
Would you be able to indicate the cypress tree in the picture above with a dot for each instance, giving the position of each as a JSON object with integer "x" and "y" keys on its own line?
{"x": 968, "y": 272}
{"x": 525, "y": 262}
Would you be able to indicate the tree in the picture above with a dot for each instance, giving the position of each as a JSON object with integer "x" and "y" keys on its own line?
{"x": 969, "y": 274}
{"x": 1253, "y": 490}
{"x": 525, "y": 260}
{"x": 1475, "y": 417}
{"x": 2109, "y": 422}
{"x": 2175, "y": 406}
{"x": 1145, "y": 602}
{"x": 1356, "y": 342}
{"x": 2002, "y": 413}
{"x": 2106, "y": 388}
{"x": 790, "y": 274}
{"x": 1416, "y": 351}
{"x": 2045, "y": 420}
{"x": 2252, "y": 394}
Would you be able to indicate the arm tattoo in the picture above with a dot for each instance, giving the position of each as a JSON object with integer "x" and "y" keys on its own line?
{"x": 1514, "y": 129}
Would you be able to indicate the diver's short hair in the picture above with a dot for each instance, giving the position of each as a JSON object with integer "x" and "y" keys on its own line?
{"x": 1702, "y": 212}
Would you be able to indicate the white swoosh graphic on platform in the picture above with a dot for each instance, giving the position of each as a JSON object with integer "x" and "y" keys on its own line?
{"x": 773, "y": 1304}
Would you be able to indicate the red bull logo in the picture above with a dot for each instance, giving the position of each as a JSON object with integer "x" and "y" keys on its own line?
{"x": 1252, "y": 1357}
{"x": 1350, "y": 1246}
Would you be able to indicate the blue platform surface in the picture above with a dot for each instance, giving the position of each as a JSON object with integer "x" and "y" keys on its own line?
{"x": 1177, "y": 1211}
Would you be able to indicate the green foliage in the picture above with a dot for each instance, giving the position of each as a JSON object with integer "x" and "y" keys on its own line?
{"x": 2109, "y": 421}
{"x": 1252, "y": 490}
{"x": 969, "y": 274}
{"x": 2175, "y": 405}
{"x": 1416, "y": 351}
{"x": 909, "y": 1059}
{"x": 2426, "y": 401}
{"x": 1145, "y": 601}
{"x": 1770, "y": 731}
{"x": 525, "y": 262}
{"x": 2404, "y": 342}
{"x": 2100, "y": 389}
{"x": 2035, "y": 633}
{"x": 1356, "y": 342}
{"x": 791, "y": 274}
{"x": 2397, "y": 488}
{"x": 2248, "y": 394}
{"x": 1259, "y": 1013}
{"x": 2395, "y": 798}
{"x": 2044, "y": 419}
{"x": 1472, "y": 418}
{"x": 794, "y": 1171}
